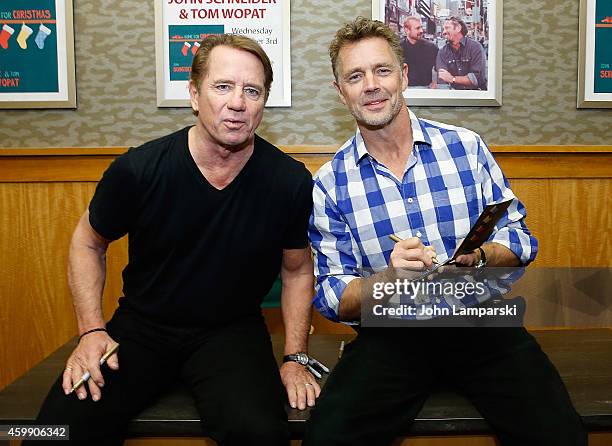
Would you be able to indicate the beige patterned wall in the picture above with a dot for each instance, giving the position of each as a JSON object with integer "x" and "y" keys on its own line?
{"x": 114, "y": 44}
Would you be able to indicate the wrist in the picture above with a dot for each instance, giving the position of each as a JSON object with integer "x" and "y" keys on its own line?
{"x": 93, "y": 330}
{"x": 482, "y": 258}
{"x": 298, "y": 357}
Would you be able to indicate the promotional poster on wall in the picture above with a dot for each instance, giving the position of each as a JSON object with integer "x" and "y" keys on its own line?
{"x": 453, "y": 49}
{"x": 595, "y": 54}
{"x": 180, "y": 27}
{"x": 36, "y": 54}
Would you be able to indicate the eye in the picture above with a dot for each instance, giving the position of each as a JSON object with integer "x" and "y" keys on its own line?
{"x": 223, "y": 88}
{"x": 251, "y": 92}
{"x": 383, "y": 71}
{"x": 354, "y": 77}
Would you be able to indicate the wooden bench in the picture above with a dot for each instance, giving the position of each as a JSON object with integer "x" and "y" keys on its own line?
{"x": 583, "y": 358}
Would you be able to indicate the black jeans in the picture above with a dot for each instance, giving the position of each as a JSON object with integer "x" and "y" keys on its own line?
{"x": 385, "y": 376}
{"x": 231, "y": 372}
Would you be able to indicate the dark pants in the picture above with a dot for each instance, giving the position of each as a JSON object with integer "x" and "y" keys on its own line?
{"x": 231, "y": 372}
{"x": 385, "y": 376}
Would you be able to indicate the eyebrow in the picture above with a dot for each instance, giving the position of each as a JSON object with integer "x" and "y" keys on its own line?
{"x": 232, "y": 82}
{"x": 378, "y": 65}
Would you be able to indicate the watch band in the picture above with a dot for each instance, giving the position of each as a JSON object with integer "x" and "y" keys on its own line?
{"x": 299, "y": 357}
{"x": 483, "y": 259}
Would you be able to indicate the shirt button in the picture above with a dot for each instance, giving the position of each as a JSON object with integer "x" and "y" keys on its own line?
{"x": 409, "y": 200}
{"x": 418, "y": 233}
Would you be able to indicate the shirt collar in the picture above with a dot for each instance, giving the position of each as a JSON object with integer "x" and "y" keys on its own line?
{"x": 418, "y": 136}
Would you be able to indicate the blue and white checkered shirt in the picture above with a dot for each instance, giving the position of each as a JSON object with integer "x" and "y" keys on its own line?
{"x": 450, "y": 177}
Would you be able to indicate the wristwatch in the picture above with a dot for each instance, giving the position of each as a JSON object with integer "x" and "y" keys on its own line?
{"x": 454, "y": 79}
{"x": 299, "y": 357}
{"x": 483, "y": 259}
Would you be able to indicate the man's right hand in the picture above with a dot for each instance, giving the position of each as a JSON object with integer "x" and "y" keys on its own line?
{"x": 86, "y": 357}
{"x": 411, "y": 254}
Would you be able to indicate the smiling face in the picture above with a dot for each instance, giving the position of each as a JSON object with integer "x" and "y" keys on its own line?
{"x": 370, "y": 81}
{"x": 452, "y": 31}
{"x": 413, "y": 30}
{"x": 231, "y": 98}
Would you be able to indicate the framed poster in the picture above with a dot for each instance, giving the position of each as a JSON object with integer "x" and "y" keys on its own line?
{"x": 180, "y": 26}
{"x": 453, "y": 49}
{"x": 595, "y": 54}
{"x": 37, "y": 54}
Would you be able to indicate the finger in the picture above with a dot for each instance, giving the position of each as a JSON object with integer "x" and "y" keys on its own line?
{"x": 77, "y": 374}
{"x": 94, "y": 390}
{"x": 317, "y": 389}
{"x": 67, "y": 379}
{"x": 465, "y": 259}
{"x": 93, "y": 365}
{"x": 409, "y": 243}
{"x": 292, "y": 395}
{"x": 113, "y": 362}
{"x": 301, "y": 396}
{"x": 310, "y": 395}
{"x": 416, "y": 265}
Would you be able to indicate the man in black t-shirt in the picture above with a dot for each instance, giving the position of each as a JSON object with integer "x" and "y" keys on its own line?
{"x": 419, "y": 55}
{"x": 213, "y": 213}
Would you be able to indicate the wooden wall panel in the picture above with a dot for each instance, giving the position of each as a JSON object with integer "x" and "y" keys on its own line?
{"x": 35, "y": 222}
{"x": 571, "y": 218}
{"x": 36, "y": 315}
{"x": 39, "y": 209}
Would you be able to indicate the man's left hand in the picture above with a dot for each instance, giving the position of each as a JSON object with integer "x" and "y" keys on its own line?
{"x": 302, "y": 387}
{"x": 470, "y": 259}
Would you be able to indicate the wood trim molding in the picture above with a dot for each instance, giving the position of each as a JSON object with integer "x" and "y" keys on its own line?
{"x": 87, "y": 164}
{"x": 295, "y": 149}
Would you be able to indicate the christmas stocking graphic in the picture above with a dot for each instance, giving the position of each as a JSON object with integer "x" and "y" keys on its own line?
{"x": 5, "y": 35}
{"x": 196, "y": 47}
{"x": 43, "y": 33}
{"x": 185, "y": 48}
{"x": 24, "y": 34}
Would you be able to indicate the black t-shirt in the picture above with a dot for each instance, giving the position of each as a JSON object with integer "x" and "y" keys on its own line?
{"x": 198, "y": 255}
{"x": 421, "y": 58}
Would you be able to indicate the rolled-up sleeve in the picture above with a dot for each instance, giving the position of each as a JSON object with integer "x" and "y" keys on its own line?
{"x": 511, "y": 230}
{"x": 335, "y": 259}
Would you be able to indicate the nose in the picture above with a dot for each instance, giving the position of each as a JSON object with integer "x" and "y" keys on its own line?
{"x": 237, "y": 100}
{"x": 370, "y": 83}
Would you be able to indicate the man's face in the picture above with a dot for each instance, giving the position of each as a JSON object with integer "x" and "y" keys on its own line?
{"x": 452, "y": 31}
{"x": 370, "y": 81}
{"x": 413, "y": 29}
{"x": 231, "y": 97}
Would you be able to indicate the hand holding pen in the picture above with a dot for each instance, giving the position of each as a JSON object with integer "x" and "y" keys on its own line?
{"x": 84, "y": 364}
{"x": 411, "y": 254}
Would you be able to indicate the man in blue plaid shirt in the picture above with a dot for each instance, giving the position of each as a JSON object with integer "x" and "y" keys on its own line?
{"x": 427, "y": 183}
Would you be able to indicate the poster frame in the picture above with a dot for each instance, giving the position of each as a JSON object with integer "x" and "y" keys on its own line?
{"x": 66, "y": 70}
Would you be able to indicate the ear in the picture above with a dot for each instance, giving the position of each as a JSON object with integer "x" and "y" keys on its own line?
{"x": 193, "y": 96}
{"x": 339, "y": 91}
{"x": 404, "y": 76}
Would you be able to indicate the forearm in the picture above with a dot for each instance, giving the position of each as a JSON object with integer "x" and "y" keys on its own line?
{"x": 86, "y": 276}
{"x": 356, "y": 292}
{"x": 499, "y": 255}
{"x": 296, "y": 302}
